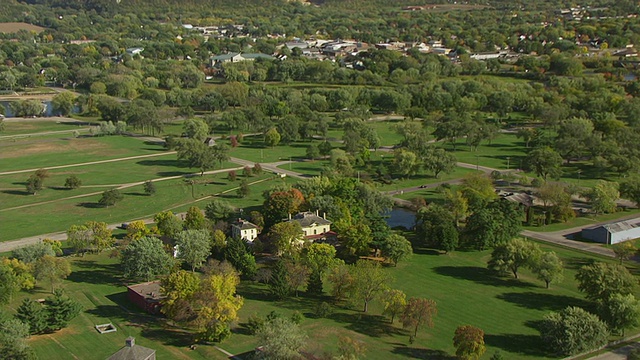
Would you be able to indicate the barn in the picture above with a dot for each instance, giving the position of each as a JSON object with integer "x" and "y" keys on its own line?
{"x": 613, "y": 233}
{"x": 147, "y": 296}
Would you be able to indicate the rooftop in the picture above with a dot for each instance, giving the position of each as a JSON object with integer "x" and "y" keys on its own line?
{"x": 150, "y": 290}
{"x": 309, "y": 218}
{"x": 131, "y": 351}
{"x": 622, "y": 225}
{"x": 244, "y": 224}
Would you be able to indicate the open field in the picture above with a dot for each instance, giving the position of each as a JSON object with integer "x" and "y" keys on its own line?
{"x": 56, "y": 150}
{"x": 37, "y": 126}
{"x": 13, "y": 27}
{"x": 508, "y": 310}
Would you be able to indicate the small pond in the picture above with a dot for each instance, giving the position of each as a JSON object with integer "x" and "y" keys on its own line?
{"x": 401, "y": 217}
{"x": 48, "y": 109}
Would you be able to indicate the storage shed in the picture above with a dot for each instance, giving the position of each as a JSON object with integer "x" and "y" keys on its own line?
{"x": 613, "y": 233}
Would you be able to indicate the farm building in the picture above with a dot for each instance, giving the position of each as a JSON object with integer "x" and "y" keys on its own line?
{"x": 146, "y": 295}
{"x": 613, "y": 233}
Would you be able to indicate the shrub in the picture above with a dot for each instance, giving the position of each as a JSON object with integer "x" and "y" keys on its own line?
{"x": 323, "y": 310}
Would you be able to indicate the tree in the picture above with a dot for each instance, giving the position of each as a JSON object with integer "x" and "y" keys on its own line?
{"x": 31, "y": 253}
{"x": 33, "y": 314}
{"x": 218, "y": 210}
{"x": 286, "y": 237}
{"x": 281, "y": 338}
{"x": 60, "y": 309}
{"x": 599, "y": 281}
{"x": 624, "y": 250}
{"x": 9, "y": 284}
{"x": 369, "y": 281}
{"x": 217, "y": 305}
{"x": 278, "y": 284}
{"x": 272, "y": 137}
{"x": 12, "y": 340}
{"x": 279, "y": 204}
{"x": 178, "y": 289}
{"x": 436, "y": 227}
{"x": 194, "y": 219}
{"x": 498, "y": 222}
{"x": 405, "y": 162}
{"x": 573, "y": 331}
{"x": 469, "y": 342}
{"x": 394, "y": 302}
{"x": 438, "y": 160}
{"x": 145, "y": 258}
{"x": 417, "y": 313}
{"x": 149, "y": 187}
{"x": 14, "y": 275}
{"x": 478, "y": 190}
{"x": 511, "y": 255}
{"x": 91, "y": 236}
{"x": 63, "y": 102}
{"x": 396, "y": 248}
{"x": 72, "y": 182}
{"x": 193, "y": 247}
{"x": 34, "y": 184}
{"x": 237, "y": 253}
{"x": 350, "y": 349}
{"x": 136, "y": 230}
{"x": 620, "y": 312}
{"x": 243, "y": 189}
{"x": 545, "y": 162}
{"x": 196, "y": 129}
{"x": 549, "y": 268}
{"x": 297, "y": 275}
{"x": 52, "y": 270}
{"x": 313, "y": 152}
{"x": 603, "y": 197}
{"x": 630, "y": 188}
{"x": 168, "y": 224}
{"x": 110, "y": 197}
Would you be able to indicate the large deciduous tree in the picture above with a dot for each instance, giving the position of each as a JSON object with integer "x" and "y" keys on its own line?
{"x": 369, "y": 281}
{"x": 145, "y": 259}
{"x": 193, "y": 247}
{"x": 498, "y": 222}
{"x": 513, "y": 254}
{"x": 600, "y": 281}
{"x": 469, "y": 342}
{"x": 549, "y": 268}
{"x": 620, "y": 312}
{"x": 396, "y": 247}
{"x": 436, "y": 227}
{"x": 394, "y": 302}
{"x": 52, "y": 270}
{"x": 280, "y": 338}
{"x": 110, "y": 197}
{"x": 418, "y": 312}
{"x": 603, "y": 197}
{"x": 545, "y": 162}
{"x": 573, "y": 331}
{"x": 286, "y": 237}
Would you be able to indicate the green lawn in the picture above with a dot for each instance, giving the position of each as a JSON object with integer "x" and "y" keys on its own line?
{"x": 171, "y": 194}
{"x": 60, "y": 150}
{"x": 508, "y": 310}
{"x": 424, "y": 179}
{"x": 38, "y": 126}
{"x": 584, "y": 221}
{"x": 492, "y": 155}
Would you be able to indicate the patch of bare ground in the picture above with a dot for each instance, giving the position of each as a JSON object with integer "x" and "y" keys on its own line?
{"x": 80, "y": 146}
{"x": 13, "y": 27}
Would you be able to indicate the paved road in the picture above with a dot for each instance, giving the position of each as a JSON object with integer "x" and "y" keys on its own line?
{"x": 617, "y": 354}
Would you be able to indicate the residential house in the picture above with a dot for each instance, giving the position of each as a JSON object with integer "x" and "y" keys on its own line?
{"x": 135, "y": 51}
{"x": 245, "y": 230}
{"x": 131, "y": 351}
{"x": 146, "y": 296}
{"x": 209, "y": 141}
{"x": 314, "y": 227}
{"x": 218, "y": 60}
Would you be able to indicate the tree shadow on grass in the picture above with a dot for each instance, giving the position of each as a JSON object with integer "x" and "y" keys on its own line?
{"x": 578, "y": 262}
{"x": 531, "y": 345}
{"x": 162, "y": 162}
{"x": 16, "y": 192}
{"x": 135, "y": 194}
{"x": 91, "y": 272}
{"x": 168, "y": 336}
{"x": 420, "y": 353}
{"x": 538, "y": 301}
{"x": 479, "y": 275}
{"x": 89, "y": 205}
{"x": 370, "y": 325}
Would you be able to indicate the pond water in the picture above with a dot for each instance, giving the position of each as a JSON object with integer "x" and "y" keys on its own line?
{"x": 401, "y": 217}
{"x": 47, "y": 112}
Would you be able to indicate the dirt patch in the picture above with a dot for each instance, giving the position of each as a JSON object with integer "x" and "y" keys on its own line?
{"x": 13, "y": 27}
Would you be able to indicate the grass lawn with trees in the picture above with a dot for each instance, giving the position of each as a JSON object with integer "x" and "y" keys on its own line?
{"x": 508, "y": 310}
{"x": 37, "y": 127}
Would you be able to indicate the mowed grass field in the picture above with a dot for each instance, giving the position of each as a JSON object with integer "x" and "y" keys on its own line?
{"x": 508, "y": 310}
